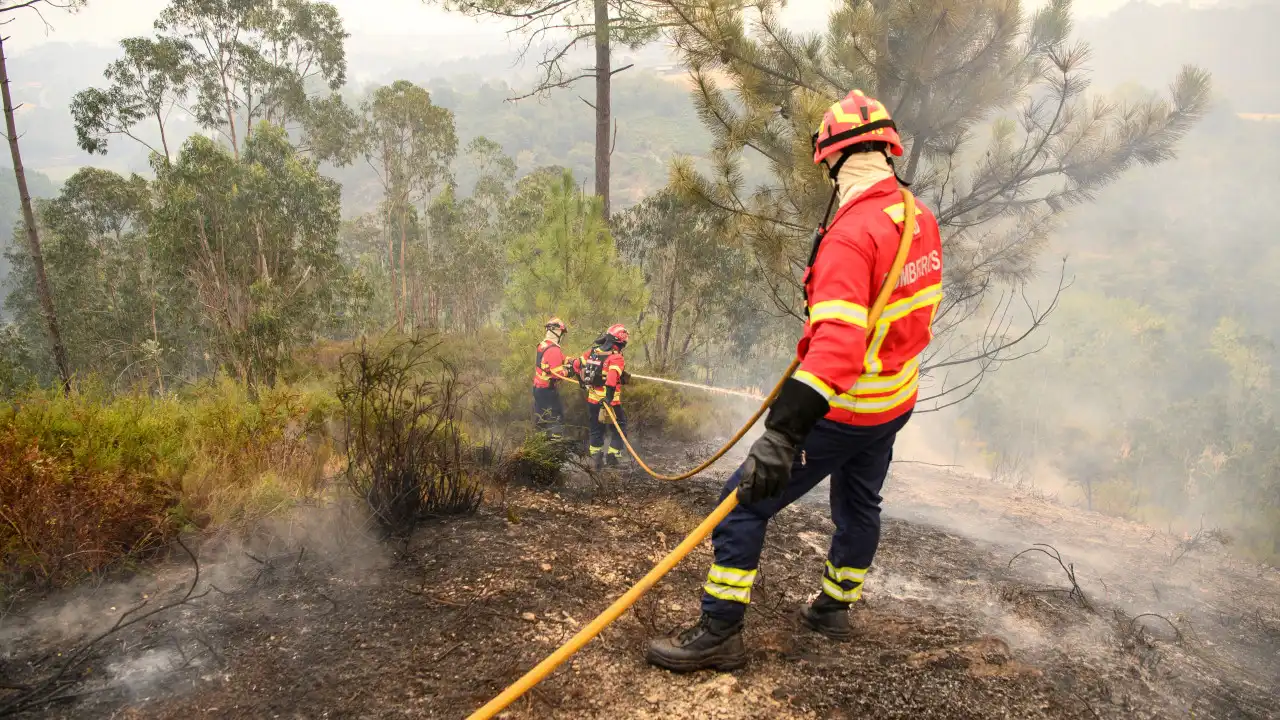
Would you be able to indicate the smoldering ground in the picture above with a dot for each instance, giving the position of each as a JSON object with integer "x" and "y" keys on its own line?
{"x": 311, "y": 616}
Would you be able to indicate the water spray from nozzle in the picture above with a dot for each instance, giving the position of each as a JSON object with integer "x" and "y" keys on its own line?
{"x": 697, "y": 386}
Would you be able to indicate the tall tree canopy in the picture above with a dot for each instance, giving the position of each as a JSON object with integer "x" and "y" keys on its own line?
{"x": 255, "y": 240}
{"x": 993, "y": 106}
{"x": 560, "y": 27}
{"x": 410, "y": 143}
{"x": 233, "y": 64}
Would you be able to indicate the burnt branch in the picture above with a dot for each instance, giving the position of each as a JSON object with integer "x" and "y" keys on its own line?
{"x": 1075, "y": 592}
{"x": 61, "y": 683}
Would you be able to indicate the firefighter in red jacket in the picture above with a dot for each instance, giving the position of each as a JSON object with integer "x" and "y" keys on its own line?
{"x": 548, "y": 371}
{"x": 602, "y": 370}
{"x": 839, "y": 413}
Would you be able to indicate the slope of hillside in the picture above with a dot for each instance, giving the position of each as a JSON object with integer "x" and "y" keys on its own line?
{"x": 11, "y": 214}
{"x": 308, "y": 622}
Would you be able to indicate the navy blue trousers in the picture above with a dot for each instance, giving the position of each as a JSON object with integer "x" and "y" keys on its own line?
{"x": 857, "y": 459}
{"x": 548, "y": 411}
{"x": 597, "y": 431}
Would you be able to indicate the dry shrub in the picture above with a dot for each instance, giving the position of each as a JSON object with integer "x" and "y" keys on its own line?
{"x": 252, "y": 455}
{"x": 408, "y": 457}
{"x": 537, "y": 462}
{"x": 91, "y": 479}
{"x": 60, "y": 520}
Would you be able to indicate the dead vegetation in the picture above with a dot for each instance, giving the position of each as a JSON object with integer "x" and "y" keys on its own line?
{"x": 1074, "y": 592}
{"x": 407, "y": 459}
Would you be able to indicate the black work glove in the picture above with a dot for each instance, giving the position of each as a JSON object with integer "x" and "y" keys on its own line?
{"x": 768, "y": 467}
{"x": 626, "y": 377}
{"x": 608, "y": 395}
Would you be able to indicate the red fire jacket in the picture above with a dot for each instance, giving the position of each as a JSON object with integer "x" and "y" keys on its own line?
{"x": 611, "y": 368}
{"x": 870, "y": 382}
{"x": 546, "y": 364}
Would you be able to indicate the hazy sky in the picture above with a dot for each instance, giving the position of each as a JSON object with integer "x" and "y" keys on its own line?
{"x": 106, "y": 21}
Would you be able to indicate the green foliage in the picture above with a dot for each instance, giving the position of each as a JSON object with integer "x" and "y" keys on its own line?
{"x": 146, "y": 84}
{"x": 255, "y": 238}
{"x": 537, "y": 461}
{"x": 252, "y": 62}
{"x": 11, "y": 216}
{"x": 698, "y": 282}
{"x": 410, "y": 143}
{"x": 566, "y": 264}
{"x": 116, "y": 312}
{"x": 93, "y": 478}
{"x": 682, "y": 415}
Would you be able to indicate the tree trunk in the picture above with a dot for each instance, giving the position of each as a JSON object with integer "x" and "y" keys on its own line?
{"x": 404, "y": 284}
{"x": 231, "y": 116}
{"x": 164, "y": 139}
{"x": 604, "y": 147}
{"x": 33, "y": 236}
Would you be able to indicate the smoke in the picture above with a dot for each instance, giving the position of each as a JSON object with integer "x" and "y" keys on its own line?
{"x": 329, "y": 542}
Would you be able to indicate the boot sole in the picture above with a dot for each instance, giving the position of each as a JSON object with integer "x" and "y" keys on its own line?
{"x": 837, "y": 635}
{"x": 721, "y": 663}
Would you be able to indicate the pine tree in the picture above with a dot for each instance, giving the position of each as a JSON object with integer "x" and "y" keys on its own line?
{"x": 1001, "y": 133}
{"x": 567, "y": 265}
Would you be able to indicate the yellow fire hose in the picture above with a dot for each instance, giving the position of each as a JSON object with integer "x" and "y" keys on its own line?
{"x": 629, "y": 598}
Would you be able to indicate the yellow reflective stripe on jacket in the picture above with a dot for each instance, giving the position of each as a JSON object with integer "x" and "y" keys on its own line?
{"x": 830, "y": 587}
{"x": 929, "y": 296}
{"x": 842, "y": 574}
{"x": 898, "y": 213}
{"x": 812, "y": 381}
{"x": 843, "y": 310}
{"x": 871, "y": 361}
{"x": 878, "y": 404}
{"x": 876, "y": 384}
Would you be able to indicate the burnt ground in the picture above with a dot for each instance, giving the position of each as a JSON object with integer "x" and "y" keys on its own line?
{"x": 309, "y": 619}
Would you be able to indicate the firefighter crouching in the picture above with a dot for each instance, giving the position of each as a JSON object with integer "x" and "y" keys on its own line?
{"x": 602, "y": 370}
{"x": 839, "y": 413}
{"x": 548, "y": 370}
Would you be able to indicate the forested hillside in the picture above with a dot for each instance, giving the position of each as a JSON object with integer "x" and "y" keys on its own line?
{"x": 284, "y": 314}
{"x": 1156, "y": 395}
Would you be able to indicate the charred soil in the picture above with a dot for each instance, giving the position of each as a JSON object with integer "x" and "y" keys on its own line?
{"x": 307, "y": 623}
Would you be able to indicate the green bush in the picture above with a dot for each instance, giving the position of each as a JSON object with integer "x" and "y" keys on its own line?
{"x": 90, "y": 478}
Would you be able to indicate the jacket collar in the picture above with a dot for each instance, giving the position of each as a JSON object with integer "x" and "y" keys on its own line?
{"x": 885, "y": 187}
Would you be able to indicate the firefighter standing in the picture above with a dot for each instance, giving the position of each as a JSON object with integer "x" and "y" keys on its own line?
{"x": 839, "y": 413}
{"x": 548, "y": 410}
{"x": 602, "y": 370}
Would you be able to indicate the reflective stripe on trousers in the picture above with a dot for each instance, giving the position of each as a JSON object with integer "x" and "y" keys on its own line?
{"x": 857, "y": 459}
{"x": 597, "y": 430}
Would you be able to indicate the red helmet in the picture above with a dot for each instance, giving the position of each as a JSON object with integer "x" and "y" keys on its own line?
{"x": 619, "y": 334}
{"x": 855, "y": 119}
{"x": 558, "y": 325}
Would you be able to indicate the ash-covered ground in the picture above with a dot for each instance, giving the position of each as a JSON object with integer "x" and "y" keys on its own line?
{"x": 311, "y": 619}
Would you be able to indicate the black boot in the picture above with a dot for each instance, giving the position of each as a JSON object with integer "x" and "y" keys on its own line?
{"x": 828, "y": 616}
{"x": 612, "y": 459}
{"x": 710, "y": 644}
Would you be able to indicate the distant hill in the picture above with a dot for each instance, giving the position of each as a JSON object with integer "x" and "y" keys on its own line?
{"x": 1146, "y": 44}
{"x": 11, "y": 213}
